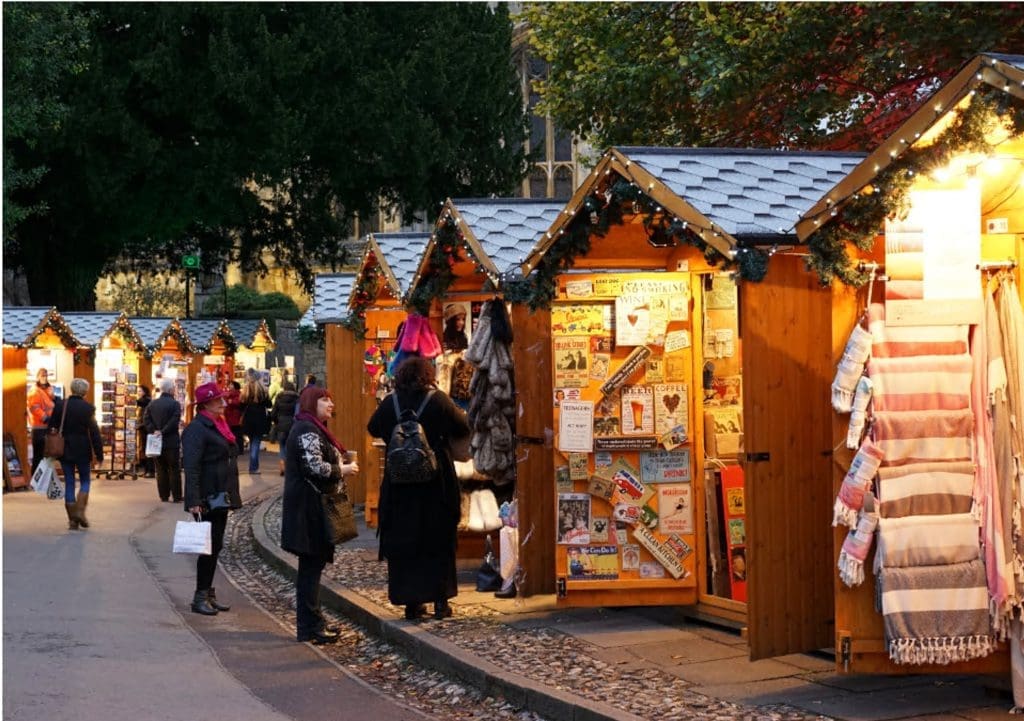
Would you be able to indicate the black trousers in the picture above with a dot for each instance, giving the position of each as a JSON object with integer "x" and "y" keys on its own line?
{"x": 308, "y": 617}
{"x": 38, "y": 444}
{"x": 207, "y": 565}
{"x": 168, "y": 474}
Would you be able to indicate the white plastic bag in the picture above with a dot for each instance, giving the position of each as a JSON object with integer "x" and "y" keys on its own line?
{"x": 154, "y": 445}
{"x": 193, "y": 537}
{"x": 45, "y": 481}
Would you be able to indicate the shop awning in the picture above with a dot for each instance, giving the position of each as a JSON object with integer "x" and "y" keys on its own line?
{"x": 723, "y": 194}
{"x": 1004, "y": 72}
{"x": 23, "y": 324}
{"x": 397, "y": 255}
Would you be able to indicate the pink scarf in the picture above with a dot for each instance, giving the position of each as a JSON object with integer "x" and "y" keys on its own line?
{"x": 221, "y": 425}
{"x": 306, "y": 416}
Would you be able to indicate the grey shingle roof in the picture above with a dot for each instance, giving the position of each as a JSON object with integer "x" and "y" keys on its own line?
{"x": 746, "y": 191}
{"x": 1016, "y": 61}
{"x": 91, "y": 327}
{"x": 150, "y": 329}
{"x": 201, "y": 331}
{"x": 23, "y": 323}
{"x": 402, "y": 252}
{"x": 244, "y": 330}
{"x": 507, "y": 228}
{"x": 331, "y": 292}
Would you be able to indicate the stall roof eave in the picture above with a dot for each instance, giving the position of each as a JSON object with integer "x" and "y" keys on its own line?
{"x": 154, "y": 332}
{"x": 397, "y": 255}
{"x": 331, "y": 294}
{"x": 1005, "y": 72}
{"x": 203, "y": 332}
{"x": 23, "y": 324}
{"x": 91, "y": 327}
{"x": 246, "y": 331}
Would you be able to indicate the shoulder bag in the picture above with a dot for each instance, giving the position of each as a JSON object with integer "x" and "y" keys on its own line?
{"x": 339, "y": 517}
{"x": 53, "y": 443}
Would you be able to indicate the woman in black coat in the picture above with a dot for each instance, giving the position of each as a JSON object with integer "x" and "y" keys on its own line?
{"x": 82, "y": 443}
{"x": 255, "y": 406}
{"x": 314, "y": 465}
{"x": 209, "y": 457}
{"x": 282, "y": 415}
{"x": 419, "y": 521}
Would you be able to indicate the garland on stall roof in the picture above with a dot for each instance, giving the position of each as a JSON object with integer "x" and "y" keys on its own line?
{"x": 59, "y": 327}
{"x": 363, "y": 295}
{"x": 225, "y": 337}
{"x": 859, "y": 220}
{"x": 86, "y": 355}
{"x": 601, "y": 210}
{"x": 438, "y": 276}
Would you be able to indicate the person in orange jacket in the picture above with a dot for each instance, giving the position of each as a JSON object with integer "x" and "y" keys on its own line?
{"x": 40, "y": 408}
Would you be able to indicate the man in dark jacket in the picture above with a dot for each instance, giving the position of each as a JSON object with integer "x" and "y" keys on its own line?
{"x": 163, "y": 416}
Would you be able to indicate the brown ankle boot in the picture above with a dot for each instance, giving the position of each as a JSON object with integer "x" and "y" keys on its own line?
{"x": 81, "y": 503}
{"x": 71, "y": 508}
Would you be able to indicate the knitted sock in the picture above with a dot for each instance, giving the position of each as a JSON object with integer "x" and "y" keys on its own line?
{"x": 856, "y": 484}
{"x": 859, "y": 412}
{"x": 850, "y": 369}
{"x": 855, "y": 548}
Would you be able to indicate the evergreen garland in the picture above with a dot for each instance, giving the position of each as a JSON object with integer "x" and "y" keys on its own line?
{"x": 601, "y": 210}
{"x": 363, "y": 295}
{"x": 438, "y": 276}
{"x": 863, "y": 215}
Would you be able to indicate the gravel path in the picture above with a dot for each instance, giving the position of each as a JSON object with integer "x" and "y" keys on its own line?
{"x": 541, "y": 654}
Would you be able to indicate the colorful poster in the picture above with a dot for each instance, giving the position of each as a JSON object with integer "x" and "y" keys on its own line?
{"x": 577, "y": 319}
{"x": 655, "y": 372}
{"x": 592, "y": 563}
{"x": 578, "y": 466}
{"x": 670, "y": 407}
{"x": 606, "y": 426}
{"x": 665, "y": 466}
{"x": 669, "y": 552}
{"x": 573, "y": 518}
{"x": 722, "y": 295}
{"x": 571, "y": 361}
{"x": 677, "y": 340}
{"x": 677, "y": 367}
{"x": 599, "y": 526}
{"x": 576, "y": 426}
{"x": 675, "y": 506}
{"x": 578, "y": 289}
{"x": 632, "y": 319}
{"x": 637, "y": 410}
{"x": 602, "y": 459}
{"x": 630, "y": 557}
{"x": 678, "y": 307}
{"x": 600, "y": 363}
{"x": 601, "y": 344}
{"x": 601, "y": 487}
{"x": 626, "y": 443}
{"x": 566, "y": 394}
{"x": 651, "y": 569}
{"x": 607, "y": 286}
{"x": 737, "y": 532}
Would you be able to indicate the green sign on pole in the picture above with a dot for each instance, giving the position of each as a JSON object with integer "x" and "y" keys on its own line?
{"x": 190, "y": 262}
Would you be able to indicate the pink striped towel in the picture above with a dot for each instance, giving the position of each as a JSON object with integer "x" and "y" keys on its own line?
{"x": 922, "y": 436}
{"x": 921, "y": 383}
{"x": 895, "y": 341}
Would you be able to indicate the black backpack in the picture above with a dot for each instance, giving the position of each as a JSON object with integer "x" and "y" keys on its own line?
{"x": 410, "y": 458}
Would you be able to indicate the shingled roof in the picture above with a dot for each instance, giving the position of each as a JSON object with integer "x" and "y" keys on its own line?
{"x": 22, "y": 324}
{"x": 331, "y": 293}
{"x": 202, "y": 332}
{"x": 92, "y": 327}
{"x": 506, "y": 228}
{"x": 401, "y": 252}
{"x": 245, "y": 330}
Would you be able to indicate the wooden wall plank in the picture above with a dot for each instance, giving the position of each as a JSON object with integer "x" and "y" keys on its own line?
{"x": 16, "y": 402}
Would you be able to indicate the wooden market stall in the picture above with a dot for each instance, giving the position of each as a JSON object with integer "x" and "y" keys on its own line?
{"x": 642, "y": 350}
{"x": 375, "y": 311}
{"x": 476, "y": 249}
{"x": 33, "y": 338}
{"x": 215, "y": 346}
{"x": 168, "y": 348}
{"x": 108, "y": 356}
{"x": 253, "y": 340}
{"x": 958, "y": 164}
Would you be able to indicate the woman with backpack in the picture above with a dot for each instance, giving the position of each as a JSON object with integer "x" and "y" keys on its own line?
{"x": 419, "y": 511}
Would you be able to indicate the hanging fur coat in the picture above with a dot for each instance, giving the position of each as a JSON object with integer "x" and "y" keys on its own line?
{"x": 492, "y": 404}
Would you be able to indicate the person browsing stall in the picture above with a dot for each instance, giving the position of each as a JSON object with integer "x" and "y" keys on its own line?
{"x": 210, "y": 454}
{"x": 163, "y": 416}
{"x": 40, "y": 408}
{"x": 315, "y": 463}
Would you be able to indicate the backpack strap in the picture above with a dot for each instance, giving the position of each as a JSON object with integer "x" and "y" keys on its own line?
{"x": 398, "y": 409}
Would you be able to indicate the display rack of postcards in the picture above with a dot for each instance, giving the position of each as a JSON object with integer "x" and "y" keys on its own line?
{"x": 118, "y": 424}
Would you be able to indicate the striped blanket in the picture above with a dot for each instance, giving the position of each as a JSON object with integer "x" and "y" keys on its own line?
{"x": 895, "y": 341}
{"x": 924, "y": 489}
{"x": 921, "y": 383}
{"x": 920, "y": 436}
{"x": 936, "y": 614}
{"x": 927, "y": 540}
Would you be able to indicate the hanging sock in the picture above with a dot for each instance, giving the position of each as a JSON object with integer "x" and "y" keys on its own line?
{"x": 850, "y": 369}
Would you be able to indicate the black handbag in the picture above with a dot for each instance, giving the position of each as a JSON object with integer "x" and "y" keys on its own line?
{"x": 488, "y": 578}
{"x": 339, "y": 516}
{"x": 218, "y": 502}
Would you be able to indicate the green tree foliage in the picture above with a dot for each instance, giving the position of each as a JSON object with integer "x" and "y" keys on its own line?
{"x": 44, "y": 46}
{"x": 145, "y": 295}
{"x": 800, "y": 75}
{"x": 235, "y": 128}
{"x": 244, "y": 302}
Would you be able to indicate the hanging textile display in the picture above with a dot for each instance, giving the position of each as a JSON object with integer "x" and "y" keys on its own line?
{"x": 492, "y": 405}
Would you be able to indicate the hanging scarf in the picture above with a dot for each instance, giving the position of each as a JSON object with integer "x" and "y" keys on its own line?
{"x": 221, "y": 425}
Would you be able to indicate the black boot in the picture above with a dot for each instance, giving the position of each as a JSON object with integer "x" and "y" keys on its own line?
{"x": 415, "y": 611}
{"x": 201, "y": 603}
{"x": 211, "y": 596}
{"x": 442, "y": 609}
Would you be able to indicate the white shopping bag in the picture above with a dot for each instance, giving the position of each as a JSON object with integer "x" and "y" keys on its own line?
{"x": 193, "y": 537}
{"x": 44, "y": 474}
{"x": 154, "y": 445}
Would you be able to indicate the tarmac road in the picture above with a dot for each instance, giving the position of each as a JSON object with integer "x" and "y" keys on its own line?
{"x": 96, "y": 625}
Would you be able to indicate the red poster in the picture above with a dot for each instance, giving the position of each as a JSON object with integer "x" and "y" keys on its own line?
{"x": 735, "y": 512}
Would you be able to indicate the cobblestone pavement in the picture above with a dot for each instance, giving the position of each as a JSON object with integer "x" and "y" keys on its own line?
{"x": 541, "y": 654}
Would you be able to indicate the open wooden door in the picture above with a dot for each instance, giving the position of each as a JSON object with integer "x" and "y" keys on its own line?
{"x": 786, "y": 328}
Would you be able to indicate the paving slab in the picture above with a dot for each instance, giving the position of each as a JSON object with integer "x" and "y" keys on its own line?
{"x": 691, "y": 650}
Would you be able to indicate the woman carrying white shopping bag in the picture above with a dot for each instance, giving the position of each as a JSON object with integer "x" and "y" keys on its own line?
{"x": 209, "y": 454}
